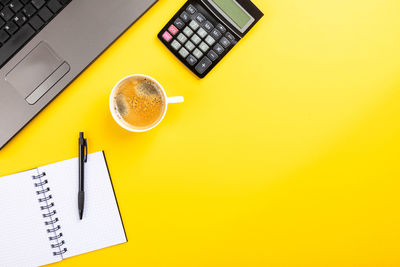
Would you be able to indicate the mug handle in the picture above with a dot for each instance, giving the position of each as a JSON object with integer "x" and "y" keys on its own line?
{"x": 175, "y": 99}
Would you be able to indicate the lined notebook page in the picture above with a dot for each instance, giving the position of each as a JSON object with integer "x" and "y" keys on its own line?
{"x": 23, "y": 237}
{"x": 101, "y": 225}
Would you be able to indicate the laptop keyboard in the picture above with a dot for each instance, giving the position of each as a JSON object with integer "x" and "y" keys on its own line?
{"x": 21, "y": 20}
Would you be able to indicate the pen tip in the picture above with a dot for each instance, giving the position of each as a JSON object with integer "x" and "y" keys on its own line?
{"x": 80, "y": 214}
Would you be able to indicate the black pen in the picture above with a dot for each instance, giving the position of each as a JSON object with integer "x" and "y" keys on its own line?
{"x": 82, "y": 159}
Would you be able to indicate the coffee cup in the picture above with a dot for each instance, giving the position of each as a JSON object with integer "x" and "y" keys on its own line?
{"x": 138, "y": 103}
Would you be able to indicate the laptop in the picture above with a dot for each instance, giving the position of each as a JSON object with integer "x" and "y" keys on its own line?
{"x": 46, "y": 44}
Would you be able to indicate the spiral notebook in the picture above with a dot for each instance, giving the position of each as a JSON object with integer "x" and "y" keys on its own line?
{"x": 39, "y": 220}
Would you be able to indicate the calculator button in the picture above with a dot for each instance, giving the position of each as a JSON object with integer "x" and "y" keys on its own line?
{"x": 195, "y": 39}
{"x": 176, "y": 45}
{"x": 230, "y": 37}
{"x": 188, "y": 31}
{"x": 219, "y": 49}
{"x": 185, "y": 16}
{"x": 179, "y": 23}
{"x": 183, "y": 52}
{"x": 189, "y": 46}
{"x": 216, "y": 34}
{"x": 225, "y": 42}
{"x": 167, "y": 36}
{"x": 202, "y": 33}
{"x": 191, "y": 60}
{"x": 212, "y": 55}
{"x": 197, "y": 53}
{"x": 203, "y": 65}
{"x": 208, "y": 26}
{"x": 181, "y": 38}
{"x": 200, "y": 18}
{"x": 204, "y": 47}
{"x": 221, "y": 28}
{"x": 194, "y": 25}
{"x": 191, "y": 9}
{"x": 210, "y": 40}
{"x": 172, "y": 29}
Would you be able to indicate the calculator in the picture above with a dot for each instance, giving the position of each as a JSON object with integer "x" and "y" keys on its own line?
{"x": 204, "y": 31}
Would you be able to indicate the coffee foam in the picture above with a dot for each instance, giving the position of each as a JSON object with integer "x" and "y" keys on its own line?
{"x": 139, "y": 102}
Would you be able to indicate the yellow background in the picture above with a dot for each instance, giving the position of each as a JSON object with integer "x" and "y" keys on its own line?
{"x": 286, "y": 154}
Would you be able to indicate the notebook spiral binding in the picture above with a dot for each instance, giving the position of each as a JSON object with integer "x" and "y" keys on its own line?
{"x": 49, "y": 214}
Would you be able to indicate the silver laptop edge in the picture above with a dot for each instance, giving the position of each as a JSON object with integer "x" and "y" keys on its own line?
{"x": 61, "y": 51}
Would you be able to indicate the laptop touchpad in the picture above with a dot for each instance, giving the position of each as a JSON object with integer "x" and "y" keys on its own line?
{"x": 37, "y": 73}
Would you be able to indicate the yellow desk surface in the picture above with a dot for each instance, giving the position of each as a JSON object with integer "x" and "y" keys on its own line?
{"x": 286, "y": 154}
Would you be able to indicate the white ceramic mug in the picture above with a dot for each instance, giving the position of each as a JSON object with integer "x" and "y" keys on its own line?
{"x": 168, "y": 100}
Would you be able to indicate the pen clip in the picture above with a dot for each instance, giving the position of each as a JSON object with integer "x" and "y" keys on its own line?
{"x": 86, "y": 149}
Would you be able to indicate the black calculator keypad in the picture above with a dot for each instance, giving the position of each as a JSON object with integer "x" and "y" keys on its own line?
{"x": 208, "y": 26}
{"x": 191, "y": 9}
{"x": 216, "y": 34}
{"x": 191, "y": 60}
{"x": 212, "y": 55}
{"x": 221, "y": 28}
{"x": 179, "y": 23}
{"x": 203, "y": 65}
{"x": 197, "y": 38}
{"x": 200, "y": 18}
{"x": 219, "y": 49}
{"x": 185, "y": 16}
{"x": 225, "y": 42}
{"x": 231, "y": 38}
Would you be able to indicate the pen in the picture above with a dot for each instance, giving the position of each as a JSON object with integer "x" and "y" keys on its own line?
{"x": 82, "y": 159}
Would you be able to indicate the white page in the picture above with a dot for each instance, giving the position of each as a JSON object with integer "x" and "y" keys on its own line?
{"x": 101, "y": 225}
{"x": 23, "y": 237}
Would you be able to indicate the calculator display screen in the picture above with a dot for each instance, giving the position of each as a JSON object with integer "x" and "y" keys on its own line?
{"x": 234, "y": 13}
